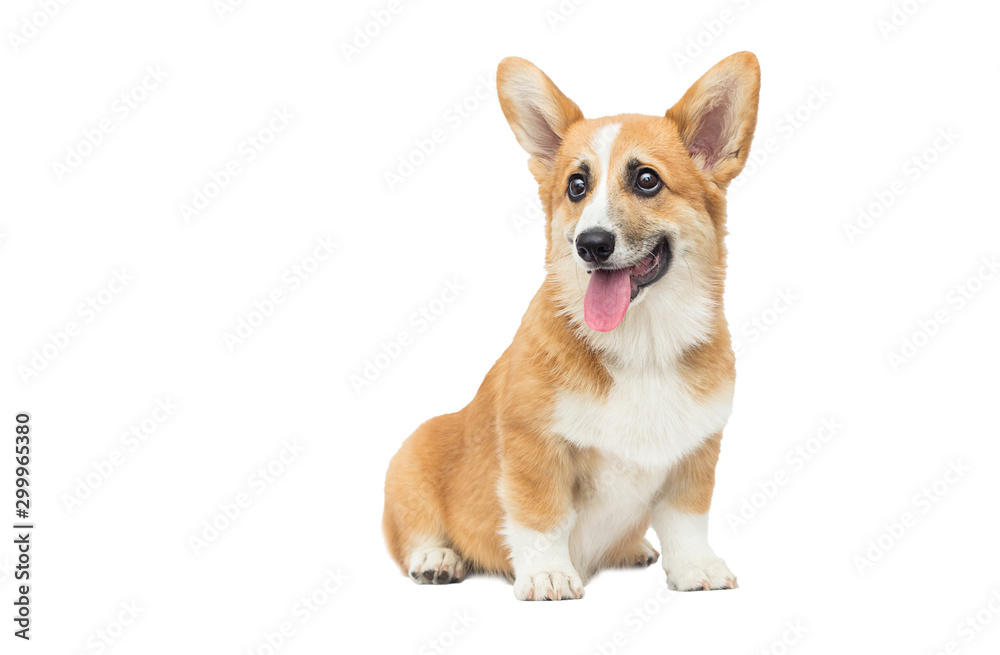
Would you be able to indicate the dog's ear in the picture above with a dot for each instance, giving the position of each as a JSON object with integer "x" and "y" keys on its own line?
{"x": 717, "y": 116}
{"x": 536, "y": 109}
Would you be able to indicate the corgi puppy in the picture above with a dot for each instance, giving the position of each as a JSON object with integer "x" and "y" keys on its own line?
{"x": 605, "y": 414}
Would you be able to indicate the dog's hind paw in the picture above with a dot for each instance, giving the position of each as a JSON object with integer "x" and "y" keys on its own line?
{"x": 436, "y": 566}
{"x": 643, "y": 556}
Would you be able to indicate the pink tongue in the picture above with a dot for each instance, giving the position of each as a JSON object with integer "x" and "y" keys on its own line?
{"x": 608, "y": 295}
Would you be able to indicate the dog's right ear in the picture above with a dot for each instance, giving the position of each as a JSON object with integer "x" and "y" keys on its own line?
{"x": 536, "y": 109}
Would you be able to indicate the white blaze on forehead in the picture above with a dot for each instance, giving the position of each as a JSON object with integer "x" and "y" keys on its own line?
{"x": 595, "y": 213}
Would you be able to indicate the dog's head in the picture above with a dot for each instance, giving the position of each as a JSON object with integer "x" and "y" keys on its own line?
{"x": 635, "y": 205}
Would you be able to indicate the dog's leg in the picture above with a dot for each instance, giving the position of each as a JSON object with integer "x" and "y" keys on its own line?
{"x": 680, "y": 519}
{"x": 536, "y": 487}
{"x": 542, "y": 566}
{"x": 413, "y": 521}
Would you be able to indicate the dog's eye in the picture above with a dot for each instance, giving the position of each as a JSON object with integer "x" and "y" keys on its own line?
{"x": 577, "y": 187}
{"x": 647, "y": 182}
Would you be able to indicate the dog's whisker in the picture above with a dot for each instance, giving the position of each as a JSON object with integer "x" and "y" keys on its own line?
{"x": 688, "y": 265}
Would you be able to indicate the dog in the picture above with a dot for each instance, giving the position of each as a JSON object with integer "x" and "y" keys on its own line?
{"x": 605, "y": 414}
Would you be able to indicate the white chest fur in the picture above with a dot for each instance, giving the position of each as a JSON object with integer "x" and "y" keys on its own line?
{"x": 649, "y": 417}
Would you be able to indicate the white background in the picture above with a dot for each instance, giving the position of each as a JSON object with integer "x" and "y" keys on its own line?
{"x": 878, "y": 97}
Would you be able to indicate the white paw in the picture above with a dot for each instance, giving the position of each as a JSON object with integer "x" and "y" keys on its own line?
{"x": 698, "y": 574}
{"x": 548, "y": 585}
{"x": 436, "y": 566}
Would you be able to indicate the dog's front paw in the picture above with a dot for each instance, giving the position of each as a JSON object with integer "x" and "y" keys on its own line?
{"x": 548, "y": 585}
{"x": 698, "y": 574}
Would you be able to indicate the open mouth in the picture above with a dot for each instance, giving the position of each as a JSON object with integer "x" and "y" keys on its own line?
{"x": 610, "y": 290}
{"x": 650, "y": 269}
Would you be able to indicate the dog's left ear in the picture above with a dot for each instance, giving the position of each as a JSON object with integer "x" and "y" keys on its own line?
{"x": 717, "y": 116}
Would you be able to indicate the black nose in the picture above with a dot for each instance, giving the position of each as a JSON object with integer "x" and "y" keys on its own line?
{"x": 595, "y": 245}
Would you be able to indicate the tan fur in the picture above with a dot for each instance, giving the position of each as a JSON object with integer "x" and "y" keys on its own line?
{"x": 456, "y": 480}
{"x": 689, "y": 485}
